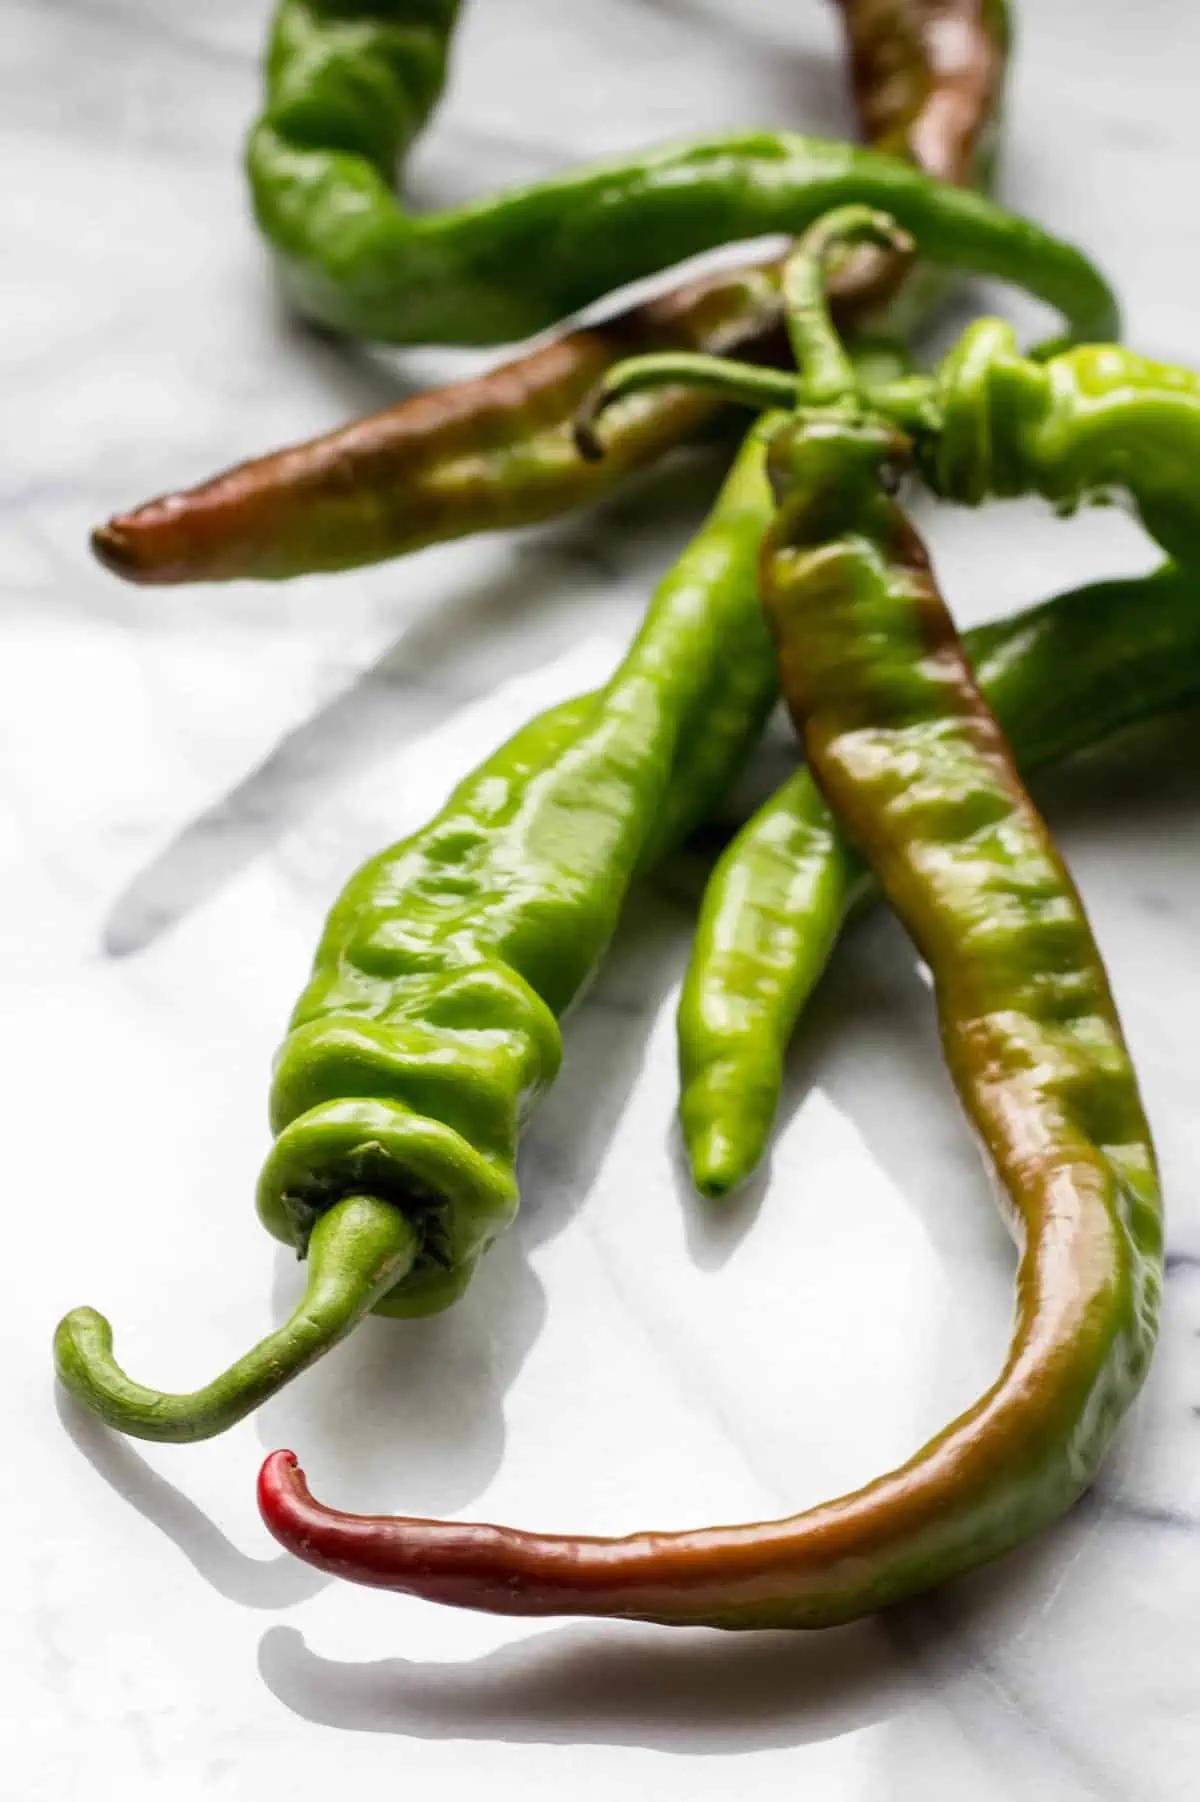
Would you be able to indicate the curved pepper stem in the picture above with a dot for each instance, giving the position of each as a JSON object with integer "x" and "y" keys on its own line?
{"x": 359, "y": 1248}
{"x": 826, "y": 367}
{"x": 827, "y": 371}
{"x": 748, "y": 383}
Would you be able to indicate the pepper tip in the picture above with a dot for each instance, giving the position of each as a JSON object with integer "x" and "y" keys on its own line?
{"x": 718, "y": 1168}
{"x": 81, "y": 1334}
{"x": 113, "y": 545}
{"x": 279, "y": 1471}
{"x": 285, "y": 1501}
{"x": 583, "y": 430}
{"x": 110, "y": 546}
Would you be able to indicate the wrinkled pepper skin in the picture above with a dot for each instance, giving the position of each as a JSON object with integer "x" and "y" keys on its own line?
{"x": 1060, "y": 677}
{"x": 915, "y": 767}
{"x": 497, "y": 451}
{"x": 484, "y": 455}
{"x": 430, "y": 1025}
{"x": 1092, "y": 422}
{"x": 517, "y": 263}
{"x": 420, "y": 1042}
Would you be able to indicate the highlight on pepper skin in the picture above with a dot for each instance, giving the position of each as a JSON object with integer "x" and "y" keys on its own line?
{"x": 1061, "y": 677}
{"x": 917, "y": 770}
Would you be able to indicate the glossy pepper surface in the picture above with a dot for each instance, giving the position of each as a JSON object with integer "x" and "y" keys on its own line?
{"x": 430, "y": 1025}
{"x": 908, "y": 755}
{"x": 498, "y": 451}
{"x": 1093, "y": 423}
{"x": 928, "y": 81}
{"x": 1060, "y": 677}
{"x": 1089, "y": 424}
{"x": 321, "y": 163}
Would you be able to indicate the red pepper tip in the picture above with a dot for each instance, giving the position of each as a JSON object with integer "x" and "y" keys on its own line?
{"x": 280, "y": 1479}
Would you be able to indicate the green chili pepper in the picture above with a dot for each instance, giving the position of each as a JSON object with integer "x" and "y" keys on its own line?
{"x": 1060, "y": 677}
{"x": 347, "y": 86}
{"x": 914, "y": 765}
{"x": 430, "y": 1025}
{"x": 497, "y": 450}
{"x": 1090, "y": 422}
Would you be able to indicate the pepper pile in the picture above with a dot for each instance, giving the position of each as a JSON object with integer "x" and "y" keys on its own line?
{"x": 498, "y": 451}
{"x": 431, "y": 1021}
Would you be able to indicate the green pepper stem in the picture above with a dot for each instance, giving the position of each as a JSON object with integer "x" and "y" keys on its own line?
{"x": 746, "y": 382}
{"x": 827, "y": 371}
{"x": 823, "y": 360}
{"x": 359, "y": 1248}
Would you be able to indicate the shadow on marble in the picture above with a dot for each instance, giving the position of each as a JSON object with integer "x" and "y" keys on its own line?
{"x": 411, "y": 1413}
{"x": 366, "y": 378}
{"x": 605, "y": 1043}
{"x": 805, "y": 91}
{"x": 405, "y": 693}
{"x": 1002, "y": 1650}
{"x": 606, "y": 1685}
{"x": 1145, "y": 772}
{"x": 266, "y": 1583}
{"x": 713, "y": 1230}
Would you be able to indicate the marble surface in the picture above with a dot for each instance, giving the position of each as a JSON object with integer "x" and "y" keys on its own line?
{"x": 185, "y": 778}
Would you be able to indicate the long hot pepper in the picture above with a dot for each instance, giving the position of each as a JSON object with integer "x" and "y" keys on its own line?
{"x": 430, "y": 1025}
{"x": 905, "y": 750}
{"x": 498, "y": 451}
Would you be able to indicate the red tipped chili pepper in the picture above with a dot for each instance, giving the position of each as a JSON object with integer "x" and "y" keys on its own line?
{"x": 906, "y": 752}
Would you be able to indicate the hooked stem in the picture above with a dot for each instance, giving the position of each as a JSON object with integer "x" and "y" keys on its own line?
{"x": 745, "y": 382}
{"x": 359, "y": 1249}
{"x": 823, "y": 360}
{"x": 826, "y": 371}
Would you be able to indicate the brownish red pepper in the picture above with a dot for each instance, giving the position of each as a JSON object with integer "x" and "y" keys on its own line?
{"x": 497, "y": 451}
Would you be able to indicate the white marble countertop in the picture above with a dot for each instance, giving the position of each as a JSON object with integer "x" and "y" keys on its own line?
{"x": 186, "y": 776}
